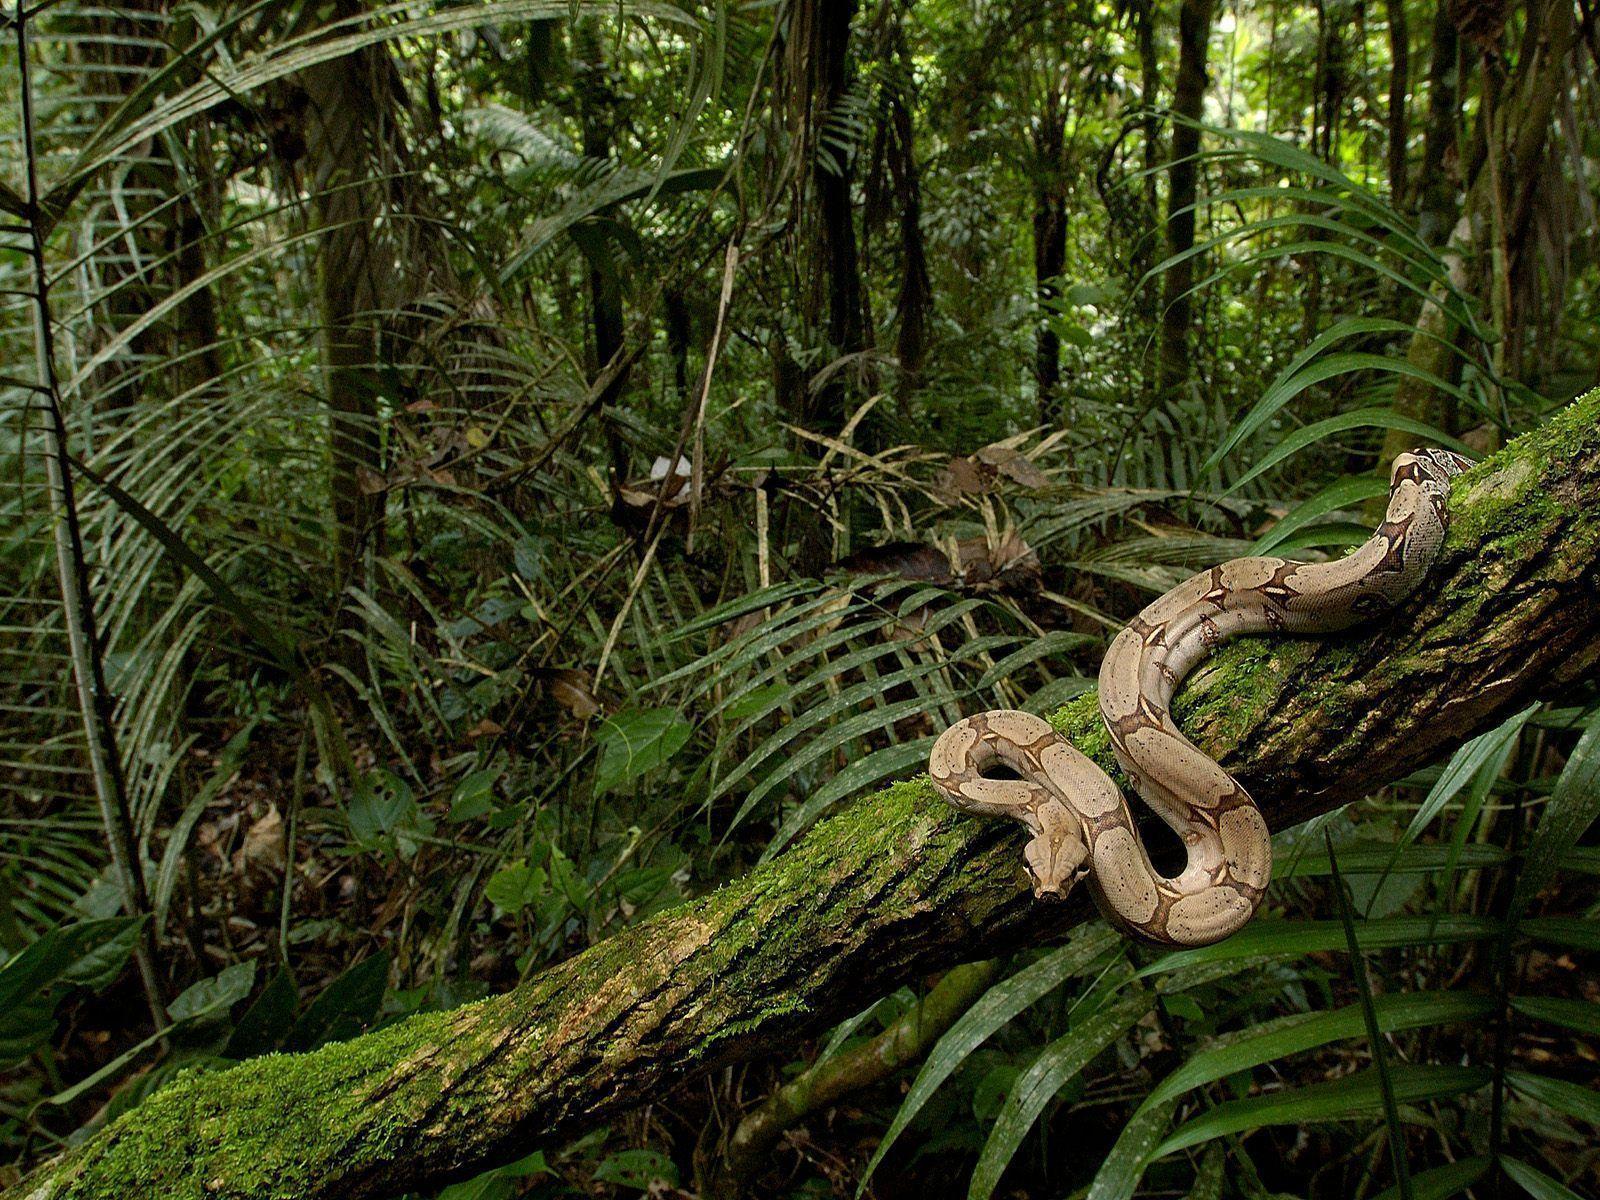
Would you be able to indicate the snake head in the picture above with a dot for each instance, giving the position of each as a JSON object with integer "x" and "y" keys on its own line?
{"x": 1451, "y": 463}
{"x": 1058, "y": 856}
{"x": 1431, "y": 471}
{"x": 1441, "y": 465}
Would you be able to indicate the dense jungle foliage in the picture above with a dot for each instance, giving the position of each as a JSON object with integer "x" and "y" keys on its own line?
{"x": 479, "y": 474}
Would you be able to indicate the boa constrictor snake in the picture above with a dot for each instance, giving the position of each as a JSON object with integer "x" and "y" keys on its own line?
{"x": 1079, "y": 820}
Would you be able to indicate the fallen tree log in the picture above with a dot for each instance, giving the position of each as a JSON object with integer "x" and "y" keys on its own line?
{"x": 893, "y": 887}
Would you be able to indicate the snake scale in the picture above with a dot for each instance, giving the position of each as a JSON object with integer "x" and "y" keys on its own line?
{"x": 1079, "y": 821}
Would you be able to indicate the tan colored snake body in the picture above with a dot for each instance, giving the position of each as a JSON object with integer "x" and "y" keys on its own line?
{"x": 1080, "y": 822}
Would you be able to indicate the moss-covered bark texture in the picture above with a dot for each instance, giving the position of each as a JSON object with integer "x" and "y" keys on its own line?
{"x": 894, "y": 886}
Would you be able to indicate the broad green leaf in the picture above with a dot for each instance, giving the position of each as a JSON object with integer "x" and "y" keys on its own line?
{"x": 1535, "y": 1182}
{"x": 1057, "y": 1064}
{"x": 344, "y": 1007}
{"x": 1581, "y": 933}
{"x": 1361, "y": 418}
{"x": 1120, "y": 1171}
{"x": 473, "y": 797}
{"x": 216, "y": 995}
{"x": 379, "y": 805}
{"x": 1286, "y": 938}
{"x": 635, "y": 741}
{"x": 756, "y": 700}
{"x": 93, "y": 955}
{"x": 638, "y": 1169}
{"x": 1299, "y": 1032}
{"x": 1581, "y": 1015}
{"x": 999, "y": 1005}
{"x": 1441, "y": 1183}
{"x": 515, "y": 886}
{"x": 1573, "y": 807}
{"x": 266, "y": 1022}
{"x": 205, "y": 1001}
{"x": 1353, "y": 1096}
{"x": 500, "y": 1183}
{"x": 1573, "y": 1099}
{"x": 89, "y": 954}
{"x": 1347, "y": 493}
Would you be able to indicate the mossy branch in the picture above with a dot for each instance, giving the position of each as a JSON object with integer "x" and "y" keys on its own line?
{"x": 826, "y": 1082}
{"x": 895, "y": 886}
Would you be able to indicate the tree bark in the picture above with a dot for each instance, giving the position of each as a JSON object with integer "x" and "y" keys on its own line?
{"x": 1438, "y": 184}
{"x": 1188, "y": 99}
{"x": 816, "y": 79}
{"x": 347, "y": 99}
{"x": 1049, "y": 243}
{"x": 896, "y": 886}
{"x": 1527, "y": 107}
{"x": 914, "y": 302}
{"x": 1399, "y": 86}
{"x": 1135, "y": 213}
{"x": 819, "y": 66}
{"x": 597, "y": 104}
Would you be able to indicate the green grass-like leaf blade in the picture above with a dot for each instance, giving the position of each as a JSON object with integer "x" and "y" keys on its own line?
{"x": 1357, "y": 1095}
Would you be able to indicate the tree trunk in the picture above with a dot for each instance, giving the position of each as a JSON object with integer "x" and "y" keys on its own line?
{"x": 675, "y": 319}
{"x": 1188, "y": 98}
{"x": 1049, "y": 244}
{"x": 1527, "y": 106}
{"x": 1329, "y": 88}
{"x": 597, "y": 104}
{"x": 1399, "y": 86}
{"x": 1439, "y": 184}
{"x": 348, "y": 203}
{"x": 819, "y": 66}
{"x": 914, "y": 302}
{"x": 896, "y": 886}
{"x": 1145, "y": 16}
{"x": 827, "y": 262}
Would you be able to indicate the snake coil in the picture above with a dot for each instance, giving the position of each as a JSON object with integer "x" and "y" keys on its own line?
{"x": 1079, "y": 821}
